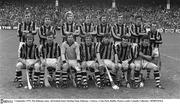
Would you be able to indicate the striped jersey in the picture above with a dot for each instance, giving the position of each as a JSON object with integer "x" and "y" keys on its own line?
{"x": 146, "y": 50}
{"x": 50, "y": 51}
{"x": 123, "y": 53}
{"x": 155, "y": 36}
{"x": 68, "y": 28}
{"x": 43, "y": 31}
{"x": 106, "y": 51}
{"x": 119, "y": 30}
{"x": 103, "y": 28}
{"x": 31, "y": 26}
{"x": 85, "y": 28}
{"x": 70, "y": 52}
{"x": 88, "y": 52}
{"x": 29, "y": 52}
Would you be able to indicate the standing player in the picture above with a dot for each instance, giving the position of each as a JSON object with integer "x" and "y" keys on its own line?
{"x": 87, "y": 28}
{"x": 88, "y": 57}
{"x": 28, "y": 58}
{"x": 144, "y": 61}
{"x": 70, "y": 54}
{"x": 107, "y": 57}
{"x": 69, "y": 27}
{"x": 45, "y": 29}
{"x": 103, "y": 28}
{"x": 50, "y": 57}
{"x": 24, "y": 28}
{"x": 119, "y": 29}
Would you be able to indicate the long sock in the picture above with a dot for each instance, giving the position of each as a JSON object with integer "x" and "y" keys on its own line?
{"x": 136, "y": 76}
{"x": 84, "y": 77}
{"x": 36, "y": 75}
{"x": 78, "y": 76}
{"x": 41, "y": 77}
{"x": 64, "y": 76}
{"x": 19, "y": 76}
{"x": 148, "y": 73}
{"x": 97, "y": 76}
{"x": 30, "y": 73}
{"x": 157, "y": 77}
{"x": 57, "y": 75}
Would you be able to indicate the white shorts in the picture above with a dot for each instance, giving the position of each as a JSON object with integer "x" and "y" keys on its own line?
{"x": 144, "y": 64}
{"x": 51, "y": 62}
{"x": 89, "y": 63}
{"x": 29, "y": 62}
{"x": 72, "y": 63}
{"x": 19, "y": 49}
{"x": 125, "y": 64}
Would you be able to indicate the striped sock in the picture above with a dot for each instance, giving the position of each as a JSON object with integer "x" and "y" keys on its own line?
{"x": 41, "y": 77}
{"x": 136, "y": 76}
{"x": 64, "y": 76}
{"x": 97, "y": 76}
{"x": 57, "y": 75}
{"x": 84, "y": 77}
{"x": 157, "y": 77}
{"x": 148, "y": 73}
{"x": 36, "y": 75}
{"x": 19, "y": 76}
{"x": 30, "y": 73}
{"x": 78, "y": 76}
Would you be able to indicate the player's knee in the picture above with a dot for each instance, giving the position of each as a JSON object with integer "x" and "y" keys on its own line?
{"x": 155, "y": 67}
{"x": 65, "y": 67}
{"x": 132, "y": 66}
{"x": 19, "y": 65}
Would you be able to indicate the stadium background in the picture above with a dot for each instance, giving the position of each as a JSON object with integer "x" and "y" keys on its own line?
{"x": 170, "y": 71}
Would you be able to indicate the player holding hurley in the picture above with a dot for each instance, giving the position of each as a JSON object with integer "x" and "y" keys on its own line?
{"x": 50, "y": 59}
{"x": 107, "y": 58}
{"x": 28, "y": 59}
{"x": 89, "y": 64}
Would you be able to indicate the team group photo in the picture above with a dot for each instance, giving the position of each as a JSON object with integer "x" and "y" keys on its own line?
{"x": 81, "y": 49}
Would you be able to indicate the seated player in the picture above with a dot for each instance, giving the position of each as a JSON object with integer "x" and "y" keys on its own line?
{"x": 50, "y": 58}
{"x": 107, "y": 57}
{"x": 70, "y": 54}
{"x": 144, "y": 61}
{"x": 88, "y": 57}
{"x": 124, "y": 52}
{"x": 28, "y": 59}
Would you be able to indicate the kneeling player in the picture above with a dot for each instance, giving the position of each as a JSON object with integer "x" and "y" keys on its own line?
{"x": 70, "y": 54}
{"x": 50, "y": 57}
{"x": 88, "y": 57}
{"x": 143, "y": 61}
{"x": 124, "y": 52}
{"x": 107, "y": 58}
{"x": 28, "y": 59}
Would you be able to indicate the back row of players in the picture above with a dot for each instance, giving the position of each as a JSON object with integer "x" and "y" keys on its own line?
{"x": 124, "y": 48}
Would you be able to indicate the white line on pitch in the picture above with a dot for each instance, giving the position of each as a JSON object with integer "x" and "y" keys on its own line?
{"x": 173, "y": 58}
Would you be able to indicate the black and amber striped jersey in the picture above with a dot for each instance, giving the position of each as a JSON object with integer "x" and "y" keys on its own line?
{"x": 103, "y": 28}
{"x": 119, "y": 30}
{"x": 155, "y": 38}
{"x": 106, "y": 51}
{"x": 88, "y": 52}
{"x": 43, "y": 31}
{"x": 86, "y": 28}
{"x": 123, "y": 52}
{"x": 29, "y": 52}
{"x": 50, "y": 50}
{"x": 30, "y": 27}
{"x": 66, "y": 27}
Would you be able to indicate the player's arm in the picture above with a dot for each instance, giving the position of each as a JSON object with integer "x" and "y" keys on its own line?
{"x": 19, "y": 31}
{"x": 64, "y": 30}
{"x": 34, "y": 31}
{"x": 41, "y": 34}
{"x": 132, "y": 30}
{"x": 21, "y": 58}
{"x": 37, "y": 57}
{"x": 77, "y": 52}
{"x": 93, "y": 30}
{"x": 98, "y": 31}
{"x": 77, "y": 29}
{"x": 63, "y": 50}
{"x": 146, "y": 57}
{"x": 143, "y": 32}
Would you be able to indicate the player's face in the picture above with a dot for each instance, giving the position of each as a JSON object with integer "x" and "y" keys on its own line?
{"x": 70, "y": 39}
{"x": 27, "y": 17}
{"x": 88, "y": 20}
{"x": 124, "y": 42}
{"x": 145, "y": 42}
{"x": 47, "y": 21}
{"x": 106, "y": 40}
{"x": 88, "y": 40}
{"x": 153, "y": 27}
{"x": 103, "y": 19}
{"x": 50, "y": 39}
{"x": 120, "y": 19}
{"x": 70, "y": 18}
{"x": 29, "y": 41}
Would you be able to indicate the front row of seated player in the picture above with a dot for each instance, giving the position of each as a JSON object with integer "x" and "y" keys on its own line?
{"x": 80, "y": 62}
